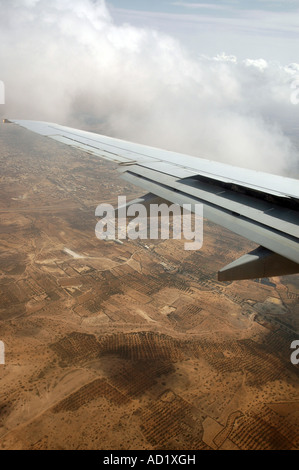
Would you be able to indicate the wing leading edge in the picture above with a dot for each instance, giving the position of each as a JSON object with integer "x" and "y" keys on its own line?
{"x": 261, "y": 207}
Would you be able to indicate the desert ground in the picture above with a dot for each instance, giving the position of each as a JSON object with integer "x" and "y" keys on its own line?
{"x": 133, "y": 345}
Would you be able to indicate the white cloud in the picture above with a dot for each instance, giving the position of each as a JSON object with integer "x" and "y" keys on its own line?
{"x": 261, "y": 64}
{"x": 68, "y": 62}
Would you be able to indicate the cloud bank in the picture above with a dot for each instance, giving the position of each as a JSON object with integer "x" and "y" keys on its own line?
{"x": 66, "y": 61}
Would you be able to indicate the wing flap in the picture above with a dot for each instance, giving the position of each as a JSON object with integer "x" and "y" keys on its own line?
{"x": 274, "y": 240}
{"x": 259, "y": 263}
{"x": 266, "y": 213}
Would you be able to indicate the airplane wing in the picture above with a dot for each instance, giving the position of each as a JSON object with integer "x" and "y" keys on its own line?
{"x": 261, "y": 207}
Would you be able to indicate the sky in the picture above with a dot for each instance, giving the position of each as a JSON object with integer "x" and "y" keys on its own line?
{"x": 250, "y": 28}
{"x": 218, "y": 80}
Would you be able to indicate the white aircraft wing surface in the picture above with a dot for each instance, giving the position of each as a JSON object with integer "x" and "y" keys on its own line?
{"x": 262, "y": 207}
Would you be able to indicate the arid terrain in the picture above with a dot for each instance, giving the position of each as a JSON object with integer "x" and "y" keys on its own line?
{"x": 133, "y": 345}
